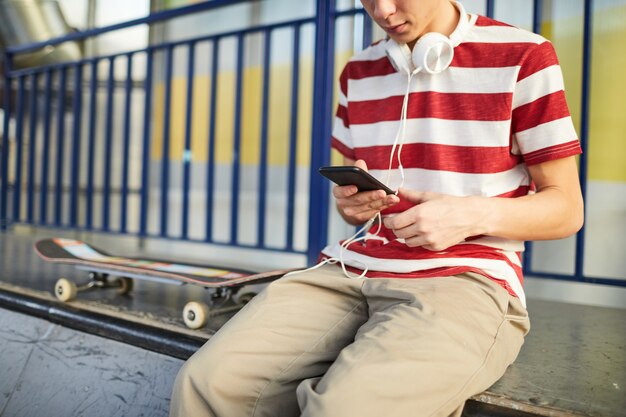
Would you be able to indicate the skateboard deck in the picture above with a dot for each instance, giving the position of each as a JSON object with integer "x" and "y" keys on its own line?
{"x": 90, "y": 258}
{"x": 223, "y": 283}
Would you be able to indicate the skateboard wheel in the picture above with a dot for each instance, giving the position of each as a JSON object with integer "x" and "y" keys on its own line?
{"x": 244, "y": 298}
{"x": 65, "y": 290}
{"x": 195, "y": 314}
{"x": 125, "y": 285}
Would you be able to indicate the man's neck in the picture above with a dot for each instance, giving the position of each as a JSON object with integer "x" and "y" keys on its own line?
{"x": 445, "y": 22}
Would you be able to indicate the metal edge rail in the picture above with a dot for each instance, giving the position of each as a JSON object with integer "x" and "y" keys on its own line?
{"x": 163, "y": 341}
{"x": 163, "y": 45}
{"x": 151, "y": 18}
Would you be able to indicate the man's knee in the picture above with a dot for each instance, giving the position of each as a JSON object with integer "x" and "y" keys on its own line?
{"x": 190, "y": 381}
{"x": 207, "y": 384}
{"x": 207, "y": 368}
{"x": 227, "y": 384}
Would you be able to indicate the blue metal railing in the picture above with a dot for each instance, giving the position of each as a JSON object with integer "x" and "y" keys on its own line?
{"x": 78, "y": 207}
{"x": 584, "y": 127}
{"x": 64, "y": 82}
{"x": 322, "y": 102}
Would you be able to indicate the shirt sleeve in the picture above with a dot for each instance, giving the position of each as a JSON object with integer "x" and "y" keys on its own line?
{"x": 341, "y": 138}
{"x": 541, "y": 126}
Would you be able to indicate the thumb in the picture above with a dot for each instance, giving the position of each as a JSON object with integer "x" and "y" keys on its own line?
{"x": 361, "y": 164}
{"x": 413, "y": 196}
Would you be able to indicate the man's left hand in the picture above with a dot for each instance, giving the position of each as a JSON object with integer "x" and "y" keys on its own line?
{"x": 437, "y": 221}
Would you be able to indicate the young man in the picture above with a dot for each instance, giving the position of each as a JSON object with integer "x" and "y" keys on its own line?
{"x": 472, "y": 124}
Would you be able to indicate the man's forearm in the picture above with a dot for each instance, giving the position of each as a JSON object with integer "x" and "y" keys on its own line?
{"x": 548, "y": 214}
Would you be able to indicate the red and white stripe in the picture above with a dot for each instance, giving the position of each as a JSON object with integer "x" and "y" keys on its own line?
{"x": 471, "y": 130}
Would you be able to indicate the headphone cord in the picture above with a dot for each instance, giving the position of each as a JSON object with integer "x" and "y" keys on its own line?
{"x": 397, "y": 143}
{"x": 400, "y": 135}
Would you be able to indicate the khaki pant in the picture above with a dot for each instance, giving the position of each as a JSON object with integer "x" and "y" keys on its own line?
{"x": 318, "y": 344}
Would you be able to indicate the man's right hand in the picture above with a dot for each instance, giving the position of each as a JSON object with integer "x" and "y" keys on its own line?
{"x": 358, "y": 207}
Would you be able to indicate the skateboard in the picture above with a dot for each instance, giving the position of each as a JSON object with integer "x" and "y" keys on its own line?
{"x": 107, "y": 271}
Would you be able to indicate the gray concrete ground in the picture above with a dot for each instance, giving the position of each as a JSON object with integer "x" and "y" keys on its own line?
{"x": 49, "y": 370}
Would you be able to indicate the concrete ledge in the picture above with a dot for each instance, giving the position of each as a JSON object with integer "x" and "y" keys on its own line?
{"x": 137, "y": 332}
{"x": 573, "y": 362}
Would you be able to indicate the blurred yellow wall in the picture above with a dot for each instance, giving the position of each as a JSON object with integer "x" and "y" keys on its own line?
{"x": 607, "y": 140}
{"x": 607, "y": 122}
{"x": 279, "y": 123}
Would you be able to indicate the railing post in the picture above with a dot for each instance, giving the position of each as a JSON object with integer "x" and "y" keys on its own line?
{"x": 19, "y": 147}
{"x": 321, "y": 131}
{"x": 77, "y": 106}
{"x": 584, "y": 128}
{"x": 146, "y": 146}
{"x": 490, "y": 8}
{"x": 4, "y": 151}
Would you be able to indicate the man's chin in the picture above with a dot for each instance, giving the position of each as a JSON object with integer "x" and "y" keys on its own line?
{"x": 403, "y": 38}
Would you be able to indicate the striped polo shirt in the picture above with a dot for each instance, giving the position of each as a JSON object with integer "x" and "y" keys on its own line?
{"x": 471, "y": 130}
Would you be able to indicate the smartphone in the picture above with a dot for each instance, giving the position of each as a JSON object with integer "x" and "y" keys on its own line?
{"x": 351, "y": 175}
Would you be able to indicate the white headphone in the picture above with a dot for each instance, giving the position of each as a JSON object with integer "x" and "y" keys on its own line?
{"x": 433, "y": 52}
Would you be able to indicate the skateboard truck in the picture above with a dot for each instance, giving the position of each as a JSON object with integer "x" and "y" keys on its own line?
{"x": 66, "y": 290}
